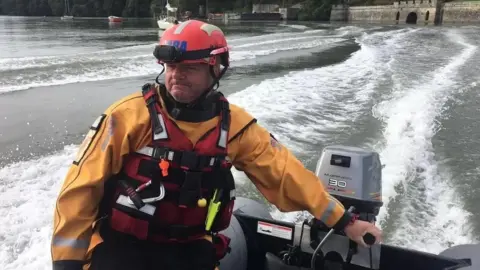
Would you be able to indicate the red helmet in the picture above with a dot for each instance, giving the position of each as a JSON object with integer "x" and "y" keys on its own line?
{"x": 193, "y": 41}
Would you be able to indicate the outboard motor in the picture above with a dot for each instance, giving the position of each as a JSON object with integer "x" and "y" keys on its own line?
{"x": 353, "y": 176}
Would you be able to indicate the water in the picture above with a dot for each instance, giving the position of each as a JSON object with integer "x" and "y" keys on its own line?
{"x": 410, "y": 93}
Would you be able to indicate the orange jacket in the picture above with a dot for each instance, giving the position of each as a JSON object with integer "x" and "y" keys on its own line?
{"x": 125, "y": 127}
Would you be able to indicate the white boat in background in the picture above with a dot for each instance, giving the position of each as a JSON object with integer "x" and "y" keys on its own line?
{"x": 167, "y": 22}
{"x": 66, "y": 17}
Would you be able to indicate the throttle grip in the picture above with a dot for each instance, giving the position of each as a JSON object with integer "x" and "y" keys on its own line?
{"x": 369, "y": 239}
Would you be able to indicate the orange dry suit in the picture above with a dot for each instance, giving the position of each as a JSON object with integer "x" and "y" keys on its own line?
{"x": 143, "y": 172}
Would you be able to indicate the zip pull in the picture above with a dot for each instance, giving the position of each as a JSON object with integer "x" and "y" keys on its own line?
{"x": 164, "y": 165}
{"x": 143, "y": 186}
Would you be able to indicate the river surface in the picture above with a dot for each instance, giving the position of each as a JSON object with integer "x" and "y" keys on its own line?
{"x": 410, "y": 93}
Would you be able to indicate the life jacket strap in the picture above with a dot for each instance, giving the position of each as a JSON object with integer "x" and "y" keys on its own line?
{"x": 150, "y": 95}
{"x": 188, "y": 160}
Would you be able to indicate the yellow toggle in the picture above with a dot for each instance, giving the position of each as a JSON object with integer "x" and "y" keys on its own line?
{"x": 202, "y": 202}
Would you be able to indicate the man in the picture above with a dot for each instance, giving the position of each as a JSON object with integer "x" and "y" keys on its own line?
{"x": 151, "y": 185}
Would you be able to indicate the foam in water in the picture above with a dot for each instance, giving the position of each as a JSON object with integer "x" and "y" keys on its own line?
{"x": 306, "y": 105}
{"x": 410, "y": 124}
{"x": 295, "y": 26}
{"x": 28, "y": 191}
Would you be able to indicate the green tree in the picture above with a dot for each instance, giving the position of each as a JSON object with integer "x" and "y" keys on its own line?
{"x": 318, "y": 10}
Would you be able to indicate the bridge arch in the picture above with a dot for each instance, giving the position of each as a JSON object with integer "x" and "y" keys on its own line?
{"x": 411, "y": 18}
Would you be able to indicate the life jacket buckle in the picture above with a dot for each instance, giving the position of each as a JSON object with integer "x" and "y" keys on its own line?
{"x": 189, "y": 161}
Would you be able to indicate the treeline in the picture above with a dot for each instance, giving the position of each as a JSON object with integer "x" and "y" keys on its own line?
{"x": 312, "y": 9}
{"x": 317, "y": 10}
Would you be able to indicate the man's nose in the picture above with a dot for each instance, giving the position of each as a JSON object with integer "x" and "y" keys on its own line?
{"x": 178, "y": 73}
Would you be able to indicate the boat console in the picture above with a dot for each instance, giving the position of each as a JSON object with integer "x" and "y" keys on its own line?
{"x": 271, "y": 252}
{"x": 353, "y": 176}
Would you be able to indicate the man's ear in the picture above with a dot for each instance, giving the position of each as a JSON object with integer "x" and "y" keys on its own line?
{"x": 216, "y": 69}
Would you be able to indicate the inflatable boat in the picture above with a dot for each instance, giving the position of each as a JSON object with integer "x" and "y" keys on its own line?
{"x": 352, "y": 175}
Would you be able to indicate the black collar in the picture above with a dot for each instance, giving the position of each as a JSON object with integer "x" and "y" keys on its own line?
{"x": 202, "y": 111}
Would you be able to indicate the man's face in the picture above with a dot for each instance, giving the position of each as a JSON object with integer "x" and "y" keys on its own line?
{"x": 186, "y": 82}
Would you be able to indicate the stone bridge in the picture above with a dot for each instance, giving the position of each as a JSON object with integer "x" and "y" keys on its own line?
{"x": 412, "y": 12}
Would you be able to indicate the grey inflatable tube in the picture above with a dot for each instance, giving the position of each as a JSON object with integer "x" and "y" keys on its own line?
{"x": 237, "y": 259}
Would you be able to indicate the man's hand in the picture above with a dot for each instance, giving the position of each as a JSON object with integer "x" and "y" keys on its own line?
{"x": 359, "y": 228}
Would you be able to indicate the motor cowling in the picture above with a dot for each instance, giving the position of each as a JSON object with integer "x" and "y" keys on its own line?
{"x": 354, "y": 177}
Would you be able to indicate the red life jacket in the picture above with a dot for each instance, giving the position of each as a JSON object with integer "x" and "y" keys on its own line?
{"x": 171, "y": 176}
